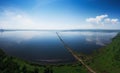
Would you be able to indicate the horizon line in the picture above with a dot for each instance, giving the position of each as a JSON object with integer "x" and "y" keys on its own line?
{"x": 51, "y": 29}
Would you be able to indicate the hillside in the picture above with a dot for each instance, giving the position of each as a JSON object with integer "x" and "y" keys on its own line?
{"x": 107, "y": 60}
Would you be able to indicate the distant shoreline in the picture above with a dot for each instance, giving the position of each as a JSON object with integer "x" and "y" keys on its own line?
{"x": 92, "y": 30}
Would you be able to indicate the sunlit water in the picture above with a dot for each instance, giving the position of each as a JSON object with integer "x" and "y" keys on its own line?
{"x": 45, "y": 46}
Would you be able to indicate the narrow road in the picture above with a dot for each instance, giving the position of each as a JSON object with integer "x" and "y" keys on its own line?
{"x": 73, "y": 53}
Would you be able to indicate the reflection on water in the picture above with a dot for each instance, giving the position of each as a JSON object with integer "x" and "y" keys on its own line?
{"x": 45, "y": 46}
{"x": 86, "y": 42}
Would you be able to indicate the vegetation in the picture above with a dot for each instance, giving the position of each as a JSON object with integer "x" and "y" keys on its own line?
{"x": 15, "y": 65}
{"x": 76, "y": 68}
{"x": 107, "y": 60}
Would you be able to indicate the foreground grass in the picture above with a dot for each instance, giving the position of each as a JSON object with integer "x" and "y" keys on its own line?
{"x": 76, "y": 68}
{"x": 108, "y": 59}
{"x": 14, "y": 65}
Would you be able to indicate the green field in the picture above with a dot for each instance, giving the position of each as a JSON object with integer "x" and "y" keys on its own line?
{"x": 106, "y": 60}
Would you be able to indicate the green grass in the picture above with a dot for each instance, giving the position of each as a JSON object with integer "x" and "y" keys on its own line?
{"x": 108, "y": 59}
{"x": 78, "y": 68}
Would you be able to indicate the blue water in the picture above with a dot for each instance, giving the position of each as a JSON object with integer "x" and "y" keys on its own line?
{"x": 45, "y": 46}
{"x": 87, "y": 42}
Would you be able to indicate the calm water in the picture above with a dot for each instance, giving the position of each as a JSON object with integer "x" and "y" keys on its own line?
{"x": 45, "y": 46}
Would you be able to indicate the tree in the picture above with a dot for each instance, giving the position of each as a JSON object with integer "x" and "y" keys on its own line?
{"x": 36, "y": 70}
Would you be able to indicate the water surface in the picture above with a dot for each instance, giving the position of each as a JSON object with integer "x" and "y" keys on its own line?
{"x": 45, "y": 46}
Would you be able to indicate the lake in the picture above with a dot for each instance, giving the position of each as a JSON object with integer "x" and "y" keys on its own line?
{"x": 44, "y": 47}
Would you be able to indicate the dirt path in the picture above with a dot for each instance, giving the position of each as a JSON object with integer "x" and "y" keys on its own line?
{"x": 75, "y": 55}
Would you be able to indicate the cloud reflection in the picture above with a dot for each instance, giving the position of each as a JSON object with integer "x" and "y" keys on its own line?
{"x": 21, "y": 36}
{"x": 100, "y": 38}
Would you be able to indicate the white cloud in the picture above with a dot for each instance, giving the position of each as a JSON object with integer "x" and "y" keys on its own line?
{"x": 111, "y": 21}
{"x": 17, "y": 19}
{"x": 102, "y": 20}
{"x": 13, "y": 19}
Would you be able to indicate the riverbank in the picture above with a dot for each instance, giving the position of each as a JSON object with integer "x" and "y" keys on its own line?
{"x": 107, "y": 59}
{"x": 16, "y": 65}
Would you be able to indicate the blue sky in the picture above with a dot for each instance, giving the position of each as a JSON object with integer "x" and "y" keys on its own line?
{"x": 60, "y": 14}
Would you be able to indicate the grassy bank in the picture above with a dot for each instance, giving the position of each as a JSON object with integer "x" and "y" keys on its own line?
{"x": 16, "y": 65}
{"x": 107, "y": 60}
